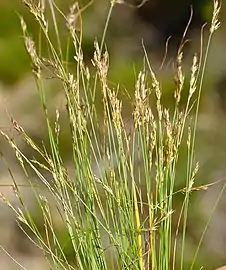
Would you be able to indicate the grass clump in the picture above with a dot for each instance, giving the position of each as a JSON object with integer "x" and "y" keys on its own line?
{"x": 117, "y": 203}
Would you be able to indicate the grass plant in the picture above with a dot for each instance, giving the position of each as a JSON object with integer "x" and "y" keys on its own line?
{"x": 117, "y": 204}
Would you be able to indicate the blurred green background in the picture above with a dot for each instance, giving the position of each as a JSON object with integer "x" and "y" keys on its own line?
{"x": 19, "y": 98}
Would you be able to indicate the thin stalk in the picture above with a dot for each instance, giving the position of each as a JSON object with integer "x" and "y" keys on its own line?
{"x": 207, "y": 225}
{"x": 112, "y": 4}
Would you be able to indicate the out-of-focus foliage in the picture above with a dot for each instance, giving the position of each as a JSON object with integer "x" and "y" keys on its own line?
{"x": 13, "y": 59}
{"x": 125, "y": 33}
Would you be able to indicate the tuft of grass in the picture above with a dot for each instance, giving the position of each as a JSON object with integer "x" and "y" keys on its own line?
{"x": 117, "y": 201}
